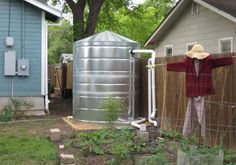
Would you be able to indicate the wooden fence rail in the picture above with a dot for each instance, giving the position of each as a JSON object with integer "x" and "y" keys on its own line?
{"x": 220, "y": 108}
{"x": 60, "y": 76}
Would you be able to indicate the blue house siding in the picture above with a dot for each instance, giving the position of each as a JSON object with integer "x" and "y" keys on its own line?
{"x": 30, "y": 85}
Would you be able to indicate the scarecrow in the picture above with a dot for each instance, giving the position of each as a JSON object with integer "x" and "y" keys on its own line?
{"x": 198, "y": 66}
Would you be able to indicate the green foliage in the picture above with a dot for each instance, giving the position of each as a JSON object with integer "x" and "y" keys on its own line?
{"x": 6, "y": 114}
{"x": 118, "y": 143}
{"x": 157, "y": 159}
{"x": 171, "y": 135}
{"x": 112, "y": 106}
{"x": 91, "y": 142}
{"x": 160, "y": 158}
{"x": 26, "y": 150}
{"x": 123, "y": 144}
{"x": 122, "y": 17}
{"x": 194, "y": 150}
{"x": 134, "y": 22}
{"x": 229, "y": 157}
{"x": 60, "y": 40}
{"x": 187, "y": 142}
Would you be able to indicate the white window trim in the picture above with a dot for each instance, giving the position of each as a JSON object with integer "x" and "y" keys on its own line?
{"x": 190, "y": 43}
{"x": 225, "y": 39}
{"x": 168, "y": 46}
{"x": 192, "y": 8}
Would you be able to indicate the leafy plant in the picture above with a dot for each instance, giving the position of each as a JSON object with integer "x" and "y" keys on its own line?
{"x": 112, "y": 106}
{"x": 199, "y": 154}
{"x": 119, "y": 143}
{"x": 123, "y": 144}
{"x": 90, "y": 142}
{"x": 229, "y": 157}
{"x": 171, "y": 135}
{"x": 7, "y": 114}
{"x": 19, "y": 105}
{"x": 12, "y": 111}
{"x": 159, "y": 158}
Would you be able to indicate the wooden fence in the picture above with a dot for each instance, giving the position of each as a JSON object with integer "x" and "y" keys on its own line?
{"x": 55, "y": 76}
{"x": 60, "y": 76}
{"x": 220, "y": 108}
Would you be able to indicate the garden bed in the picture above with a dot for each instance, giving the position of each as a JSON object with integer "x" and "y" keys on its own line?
{"x": 102, "y": 146}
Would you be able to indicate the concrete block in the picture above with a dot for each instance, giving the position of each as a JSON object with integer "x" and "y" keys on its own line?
{"x": 67, "y": 159}
{"x": 55, "y": 135}
{"x": 143, "y": 134}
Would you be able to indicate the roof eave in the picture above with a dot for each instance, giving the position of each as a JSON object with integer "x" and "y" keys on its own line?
{"x": 216, "y": 10}
{"x": 51, "y": 13}
{"x": 174, "y": 13}
{"x": 170, "y": 18}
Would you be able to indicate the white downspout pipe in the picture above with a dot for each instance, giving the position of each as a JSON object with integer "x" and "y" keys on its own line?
{"x": 151, "y": 84}
{"x": 45, "y": 27}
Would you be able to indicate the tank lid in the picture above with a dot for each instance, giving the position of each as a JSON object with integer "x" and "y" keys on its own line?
{"x": 106, "y": 38}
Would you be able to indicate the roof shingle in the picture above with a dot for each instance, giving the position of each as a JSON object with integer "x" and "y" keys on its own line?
{"x": 228, "y": 6}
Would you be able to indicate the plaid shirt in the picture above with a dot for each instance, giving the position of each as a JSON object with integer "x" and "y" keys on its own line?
{"x": 201, "y": 84}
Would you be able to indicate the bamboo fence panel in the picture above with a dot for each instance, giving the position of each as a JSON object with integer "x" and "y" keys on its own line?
{"x": 220, "y": 108}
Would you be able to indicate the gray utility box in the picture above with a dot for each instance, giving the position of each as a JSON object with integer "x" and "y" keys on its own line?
{"x": 23, "y": 67}
{"x": 10, "y": 63}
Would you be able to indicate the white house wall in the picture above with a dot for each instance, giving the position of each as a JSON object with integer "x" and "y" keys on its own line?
{"x": 205, "y": 28}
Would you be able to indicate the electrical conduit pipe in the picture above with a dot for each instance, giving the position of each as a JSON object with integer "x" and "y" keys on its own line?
{"x": 151, "y": 86}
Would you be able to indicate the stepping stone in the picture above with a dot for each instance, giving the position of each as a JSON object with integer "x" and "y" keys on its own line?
{"x": 55, "y": 135}
{"x": 67, "y": 159}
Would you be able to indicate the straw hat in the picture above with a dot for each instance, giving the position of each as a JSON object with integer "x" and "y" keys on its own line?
{"x": 197, "y": 52}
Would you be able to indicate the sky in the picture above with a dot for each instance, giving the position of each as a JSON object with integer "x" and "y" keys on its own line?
{"x": 138, "y": 1}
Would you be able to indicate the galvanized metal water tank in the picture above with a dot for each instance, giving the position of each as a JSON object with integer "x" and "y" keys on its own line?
{"x": 102, "y": 68}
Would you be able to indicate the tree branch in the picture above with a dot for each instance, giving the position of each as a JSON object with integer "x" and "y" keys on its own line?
{"x": 71, "y": 4}
{"x": 94, "y": 10}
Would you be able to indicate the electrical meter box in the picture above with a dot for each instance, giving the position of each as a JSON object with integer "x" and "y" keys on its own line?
{"x": 23, "y": 67}
{"x": 10, "y": 63}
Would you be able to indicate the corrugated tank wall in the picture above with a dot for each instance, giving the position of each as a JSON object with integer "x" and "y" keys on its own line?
{"x": 103, "y": 68}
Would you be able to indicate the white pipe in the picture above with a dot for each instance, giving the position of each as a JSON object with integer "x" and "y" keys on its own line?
{"x": 137, "y": 124}
{"x": 151, "y": 84}
{"x": 47, "y": 101}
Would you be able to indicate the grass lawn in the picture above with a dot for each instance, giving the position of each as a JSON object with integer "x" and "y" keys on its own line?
{"x": 26, "y": 150}
{"x": 27, "y": 143}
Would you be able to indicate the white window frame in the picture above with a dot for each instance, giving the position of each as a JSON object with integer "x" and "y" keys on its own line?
{"x": 190, "y": 43}
{"x": 225, "y": 39}
{"x": 192, "y": 7}
{"x": 166, "y": 47}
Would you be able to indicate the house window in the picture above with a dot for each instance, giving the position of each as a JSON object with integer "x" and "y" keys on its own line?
{"x": 226, "y": 45}
{"x": 190, "y": 45}
{"x": 195, "y": 8}
{"x": 168, "y": 50}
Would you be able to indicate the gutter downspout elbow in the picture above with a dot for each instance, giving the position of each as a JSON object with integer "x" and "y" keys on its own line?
{"x": 137, "y": 124}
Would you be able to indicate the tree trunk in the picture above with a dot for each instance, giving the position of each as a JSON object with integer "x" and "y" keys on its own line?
{"x": 78, "y": 18}
{"x": 80, "y": 31}
{"x": 94, "y": 10}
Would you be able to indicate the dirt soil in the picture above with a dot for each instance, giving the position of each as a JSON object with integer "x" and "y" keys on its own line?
{"x": 60, "y": 109}
{"x": 59, "y": 106}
